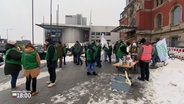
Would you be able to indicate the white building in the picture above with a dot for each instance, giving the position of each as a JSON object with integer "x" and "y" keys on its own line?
{"x": 97, "y": 31}
{"x": 75, "y": 20}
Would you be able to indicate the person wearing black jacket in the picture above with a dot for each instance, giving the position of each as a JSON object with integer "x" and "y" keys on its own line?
{"x": 12, "y": 63}
{"x": 51, "y": 58}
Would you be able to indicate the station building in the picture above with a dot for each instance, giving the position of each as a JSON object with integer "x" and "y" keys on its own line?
{"x": 154, "y": 20}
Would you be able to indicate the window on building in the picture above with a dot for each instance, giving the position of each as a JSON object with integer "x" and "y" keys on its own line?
{"x": 92, "y": 33}
{"x": 97, "y": 33}
{"x": 97, "y": 36}
{"x": 92, "y": 36}
{"x": 103, "y": 33}
{"x": 133, "y": 23}
{"x": 158, "y": 21}
{"x": 161, "y": 1}
{"x": 176, "y": 15}
{"x": 156, "y": 2}
{"x": 108, "y": 34}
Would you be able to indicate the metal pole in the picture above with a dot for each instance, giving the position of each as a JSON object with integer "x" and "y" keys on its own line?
{"x": 50, "y": 17}
{"x": 7, "y": 33}
{"x": 32, "y": 21}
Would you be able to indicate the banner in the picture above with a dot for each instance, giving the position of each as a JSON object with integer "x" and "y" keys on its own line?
{"x": 161, "y": 47}
{"x": 103, "y": 41}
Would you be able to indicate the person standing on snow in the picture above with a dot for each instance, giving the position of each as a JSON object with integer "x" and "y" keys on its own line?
{"x": 51, "y": 58}
{"x": 12, "y": 63}
{"x": 144, "y": 57}
{"x": 31, "y": 65}
{"x": 90, "y": 58}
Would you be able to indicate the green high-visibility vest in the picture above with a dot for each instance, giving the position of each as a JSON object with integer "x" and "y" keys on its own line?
{"x": 12, "y": 61}
{"x": 47, "y": 54}
{"x": 90, "y": 55}
{"x": 29, "y": 60}
{"x": 119, "y": 52}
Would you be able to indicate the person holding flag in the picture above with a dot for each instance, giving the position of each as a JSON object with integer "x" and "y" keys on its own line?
{"x": 104, "y": 44}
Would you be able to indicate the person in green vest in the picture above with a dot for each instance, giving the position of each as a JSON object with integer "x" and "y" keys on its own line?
{"x": 90, "y": 58}
{"x": 115, "y": 49}
{"x": 64, "y": 53}
{"x": 122, "y": 50}
{"x": 51, "y": 58}
{"x": 98, "y": 57}
{"x": 12, "y": 63}
{"x": 31, "y": 65}
{"x": 74, "y": 53}
{"x": 59, "y": 50}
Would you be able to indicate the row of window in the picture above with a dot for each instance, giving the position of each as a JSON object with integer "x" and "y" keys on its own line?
{"x": 100, "y": 33}
{"x": 158, "y": 2}
{"x": 176, "y": 17}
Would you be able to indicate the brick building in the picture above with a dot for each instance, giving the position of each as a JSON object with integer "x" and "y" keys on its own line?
{"x": 154, "y": 20}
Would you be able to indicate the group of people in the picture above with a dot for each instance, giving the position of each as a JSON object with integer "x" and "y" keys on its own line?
{"x": 142, "y": 51}
{"x": 29, "y": 58}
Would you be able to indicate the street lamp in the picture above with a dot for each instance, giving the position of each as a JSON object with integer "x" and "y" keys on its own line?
{"x": 7, "y": 30}
{"x": 32, "y": 21}
{"x": 50, "y": 17}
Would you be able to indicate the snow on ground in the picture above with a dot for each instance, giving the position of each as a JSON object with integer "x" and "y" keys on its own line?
{"x": 6, "y": 85}
{"x": 165, "y": 87}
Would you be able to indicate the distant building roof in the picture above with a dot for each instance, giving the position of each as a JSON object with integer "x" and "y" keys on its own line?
{"x": 124, "y": 27}
{"x": 62, "y": 26}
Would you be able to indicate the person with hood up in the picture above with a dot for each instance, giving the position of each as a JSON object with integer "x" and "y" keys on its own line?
{"x": 59, "y": 50}
{"x": 90, "y": 58}
{"x": 144, "y": 56}
{"x": 51, "y": 58}
{"x": 31, "y": 64}
{"x": 12, "y": 63}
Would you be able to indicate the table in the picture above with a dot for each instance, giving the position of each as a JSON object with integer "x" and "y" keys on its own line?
{"x": 126, "y": 67}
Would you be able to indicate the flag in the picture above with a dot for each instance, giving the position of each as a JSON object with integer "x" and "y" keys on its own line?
{"x": 103, "y": 41}
{"x": 161, "y": 47}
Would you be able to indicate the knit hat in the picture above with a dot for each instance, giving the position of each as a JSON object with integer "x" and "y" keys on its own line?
{"x": 12, "y": 42}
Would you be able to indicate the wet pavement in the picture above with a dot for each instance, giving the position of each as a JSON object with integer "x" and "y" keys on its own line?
{"x": 73, "y": 86}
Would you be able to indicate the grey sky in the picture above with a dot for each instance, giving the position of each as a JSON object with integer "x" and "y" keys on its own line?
{"x": 15, "y": 15}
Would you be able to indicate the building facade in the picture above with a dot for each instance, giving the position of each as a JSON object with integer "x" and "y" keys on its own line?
{"x": 66, "y": 33}
{"x": 154, "y": 20}
{"x": 97, "y": 31}
{"x": 75, "y": 19}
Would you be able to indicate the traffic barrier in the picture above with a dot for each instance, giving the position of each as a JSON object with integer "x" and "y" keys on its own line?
{"x": 178, "y": 52}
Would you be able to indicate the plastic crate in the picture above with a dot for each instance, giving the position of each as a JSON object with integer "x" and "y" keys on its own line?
{"x": 119, "y": 84}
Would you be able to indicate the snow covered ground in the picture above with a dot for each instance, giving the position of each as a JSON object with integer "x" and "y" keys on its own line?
{"x": 165, "y": 87}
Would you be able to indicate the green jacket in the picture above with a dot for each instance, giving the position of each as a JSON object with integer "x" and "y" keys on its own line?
{"x": 29, "y": 60}
{"x": 49, "y": 51}
{"x": 12, "y": 61}
{"x": 119, "y": 52}
{"x": 90, "y": 55}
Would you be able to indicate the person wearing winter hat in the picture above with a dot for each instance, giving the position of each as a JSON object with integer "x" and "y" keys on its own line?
{"x": 31, "y": 64}
{"x": 12, "y": 63}
{"x": 51, "y": 58}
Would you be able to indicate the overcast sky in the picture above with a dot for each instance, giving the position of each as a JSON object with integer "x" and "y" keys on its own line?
{"x": 16, "y": 15}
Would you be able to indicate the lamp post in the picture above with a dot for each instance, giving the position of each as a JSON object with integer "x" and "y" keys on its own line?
{"x": 32, "y": 21}
{"x": 50, "y": 18}
{"x": 7, "y": 31}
